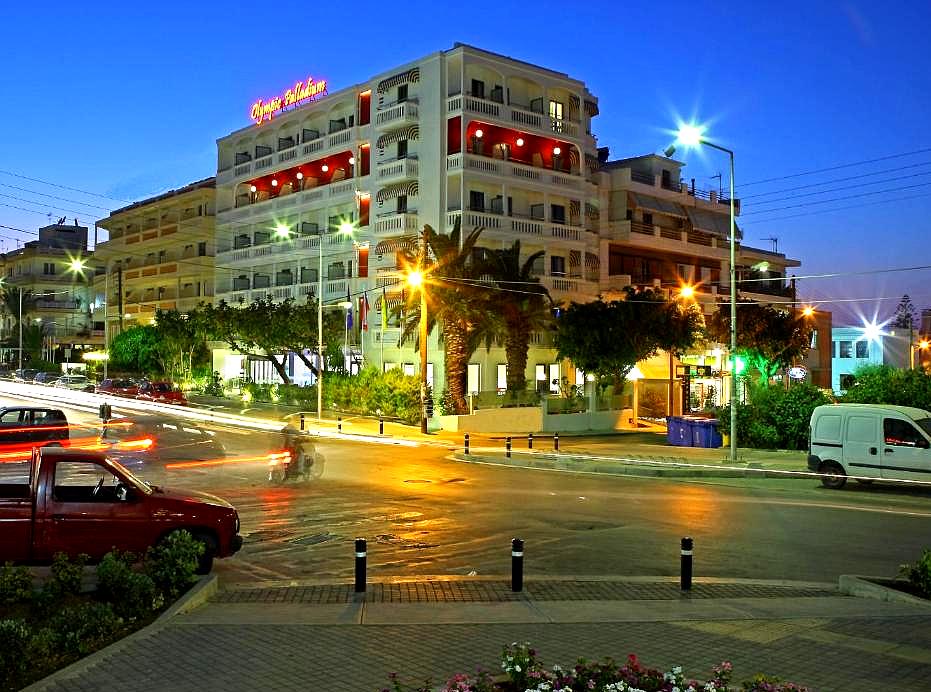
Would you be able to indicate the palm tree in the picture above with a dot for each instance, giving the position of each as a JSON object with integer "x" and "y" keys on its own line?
{"x": 454, "y": 302}
{"x": 10, "y": 304}
{"x": 524, "y": 306}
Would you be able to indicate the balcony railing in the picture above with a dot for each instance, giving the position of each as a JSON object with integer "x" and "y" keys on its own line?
{"x": 331, "y": 191}
{"x": 400, "y": 169}
{"x": 511, "y": 224}
{"x": 397, "y": 223}
{"x": 525, "y": 119}
{"x": 513, "y": 170}
{"x": 398, "y": 114}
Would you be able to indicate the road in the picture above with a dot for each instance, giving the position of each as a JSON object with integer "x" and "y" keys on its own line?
{"x": 424, "y": 514}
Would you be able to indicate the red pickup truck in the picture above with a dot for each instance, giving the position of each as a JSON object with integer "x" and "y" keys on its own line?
{"x": 78, "y": 501}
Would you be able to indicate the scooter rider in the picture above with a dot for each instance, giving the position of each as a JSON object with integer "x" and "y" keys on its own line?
{"x": 301, "y": 449}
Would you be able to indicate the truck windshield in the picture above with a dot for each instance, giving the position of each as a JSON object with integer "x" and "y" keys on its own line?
{"x": 925, "y": 425}
{"x": 135, "y": 480}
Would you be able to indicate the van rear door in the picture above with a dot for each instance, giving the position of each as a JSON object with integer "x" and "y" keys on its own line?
{"x": 862, "y": 441}
{"x": 906, "y": 453}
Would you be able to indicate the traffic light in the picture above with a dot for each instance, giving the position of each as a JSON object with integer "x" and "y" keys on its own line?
{"x": 739, "y": 364}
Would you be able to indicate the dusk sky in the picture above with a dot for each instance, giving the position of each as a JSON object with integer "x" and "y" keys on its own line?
{"x": 127, "y": 100}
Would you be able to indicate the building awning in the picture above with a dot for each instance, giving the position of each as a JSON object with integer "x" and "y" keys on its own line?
{"x": 575, "y": 258}
{"x": 591, "y": 108}
{"x": 574, "y": 157}
{"x": 404, "y": 244}
{"x": 709, "y": 222}
{"x": 592, "y": 261}
{"x": 399, "y": 190}
{"x": 412, "y": 75}
{"x": 407, "y": 133}
{"x": 658, "y": 205}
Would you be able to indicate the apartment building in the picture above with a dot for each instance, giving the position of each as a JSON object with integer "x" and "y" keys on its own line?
{"x": 459, "y": 135}
{"x": 159, "y": 255}
{"x": 63, "y": 296}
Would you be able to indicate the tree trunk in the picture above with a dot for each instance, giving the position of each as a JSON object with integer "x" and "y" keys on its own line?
{"x": 310, "y": 366}
{"x": 456, "y": 363}
{"x": 279, "y": 368}
{"x": 516, "y": 345}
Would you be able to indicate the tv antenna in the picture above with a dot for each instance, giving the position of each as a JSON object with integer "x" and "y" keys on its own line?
{"x": 775, "y": 241}
{"x": 720, "y": 178}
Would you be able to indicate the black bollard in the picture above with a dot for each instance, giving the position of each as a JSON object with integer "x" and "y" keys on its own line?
{"x": 556, "y": 441}
{"x": 360, "y": 565}
{"x": 381, "y": 426}
{"x": 529, "y": 440}
{"x": 507, "y": 445}
{"x": 467, "y": 444}
{"x": 686, "y": 564}
{"x": 517, "y": 564}
{"x": 339, "y": 424}
{"x": 302, "y": 422}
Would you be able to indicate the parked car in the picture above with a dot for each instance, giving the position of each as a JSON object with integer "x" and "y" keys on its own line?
{"x": 78, "y": 501}
{"x": 870, "y": 442}
{"x": 24, "y": 375}
{"x": 76, "y": 382}
{"x": 45, "y": 378}
{"x": 118, "y": 387}
{"x": 162, "y": 392}
{"x": 34, "y": 424}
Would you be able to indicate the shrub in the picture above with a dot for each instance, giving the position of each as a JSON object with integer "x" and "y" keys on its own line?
{"x": 14, "y": 644}
{"x": 15, "y": 584}
{"x": 882, "y": 384}
{"x": 172, "y": 564}
{"x": 919, "y": 574}
{"x": 131, "y": 593}
{"x": 66, "y": 576}
{"x": 79, "y": 630}
{"x": 774, "y": 417}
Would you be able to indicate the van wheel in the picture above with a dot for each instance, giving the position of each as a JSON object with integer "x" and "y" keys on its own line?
{"x": 833, "y": 475}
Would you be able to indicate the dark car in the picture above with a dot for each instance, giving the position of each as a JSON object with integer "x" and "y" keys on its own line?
{"x": 24, "y": 375}
{"x": 142, "y": 440}
{"x": 45, "y": 378}
{"x": 32, "y": 424}
{"x": 118, "y": 387}
{"x": 161, "y": 392}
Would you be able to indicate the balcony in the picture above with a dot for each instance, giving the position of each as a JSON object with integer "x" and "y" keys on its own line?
{"x": 568, "y": 288}
{"x": 398, "y": 170}
{"x": 332, "y": 193}
{"x": 522, "y": 118}
{"x": 512, "y": 171}
{"x": 397, "y": 115}
{"x": 397, "y": 223}
{"x": 663, "y": 237}
{"x": 515, "y": 225}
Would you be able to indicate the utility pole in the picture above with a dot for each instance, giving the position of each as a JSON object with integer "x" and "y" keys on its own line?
{"x": 119, "y": 289}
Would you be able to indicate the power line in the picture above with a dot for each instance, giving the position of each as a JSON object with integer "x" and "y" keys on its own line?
{"x": 64, "y": 187}
{"x": 834, "y": 168}
{"x": 849, "y": 206}
{"x": 839, "y": 189}
{"x": 50, "y": 206}
{"x": 837, "y": 199}
{"x": 63, "y": 199}
{"x": 836, "y": 180}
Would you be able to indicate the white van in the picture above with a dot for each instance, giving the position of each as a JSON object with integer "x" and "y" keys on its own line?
{"x": 869, "y": 441}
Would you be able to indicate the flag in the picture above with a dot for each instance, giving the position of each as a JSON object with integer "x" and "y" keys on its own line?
{"x": 348, "y": 309}
{"x": 364, "y": 311}
{"x": 384, "y": 312}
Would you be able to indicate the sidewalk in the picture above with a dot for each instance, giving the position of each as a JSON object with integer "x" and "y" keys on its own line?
{"x": 319, "y": 638}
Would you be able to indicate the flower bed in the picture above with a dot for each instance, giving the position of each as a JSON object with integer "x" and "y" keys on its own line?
{"x": 47, "y": 629}
{"x": 523, "y": 672}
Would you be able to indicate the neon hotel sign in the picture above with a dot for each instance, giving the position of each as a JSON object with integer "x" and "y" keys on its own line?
{"x": 308, "y": 90}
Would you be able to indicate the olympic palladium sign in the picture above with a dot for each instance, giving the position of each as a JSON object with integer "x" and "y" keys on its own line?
{"x": 308, "y": 90}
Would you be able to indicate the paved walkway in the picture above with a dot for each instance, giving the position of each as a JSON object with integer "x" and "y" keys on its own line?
{"x": 313, "y": 638}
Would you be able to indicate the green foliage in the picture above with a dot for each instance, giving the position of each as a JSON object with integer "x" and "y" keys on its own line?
{"x": 918, "y": 574}
{"x": 882, "y": 384}
{"x": 172, "y": 564}
{"x": 607, "y": 339}
{"x": 81, "y": 629}
{"x": 181, "y": 342}
{"x": 136, "y": 350}
{"x": 132, "y": 593}
{"x": 15, "y": 584}
{"x": 774, "y": 417}
{"x": 214, "y": 385}
{"x": 66, "y": 575}
{"x": 15, "y": 638}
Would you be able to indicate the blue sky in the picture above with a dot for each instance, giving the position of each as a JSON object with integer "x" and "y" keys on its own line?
{"x": 127, "y": 101}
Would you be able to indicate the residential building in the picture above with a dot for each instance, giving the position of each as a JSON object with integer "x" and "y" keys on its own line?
{"x": 855, "y": 347}
{"x": 63, "y": 296}
{"x": 159, "y": 255}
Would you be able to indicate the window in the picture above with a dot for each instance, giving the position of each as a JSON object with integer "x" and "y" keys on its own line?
{"x": 557, "y": 213}
{"x": 48, "y": 268}
{"x": 78, "y": 481}
{"x": 861, "y": 429}
{"x": 402, "y": 149}
{"x": 476, "y": 200}
{"x": 402, "y": 204}
{"x": 863, "y": 349}
{"x": 202, "y": 249}
{"x": 162, "y": 256}
{"x": 502, "y": 378}
{"x": 557, "y": 265}
{"x": 647, "y": 218}
{"x": 556, "y": 109}
{"x": 900, "y": 433}
{"x": 402, "y": 93}
{"x": 846, "y": 349}
{"x": 11, "y": 417}
{"x": 408, "y": 369}
{"x": 478, "y": 88}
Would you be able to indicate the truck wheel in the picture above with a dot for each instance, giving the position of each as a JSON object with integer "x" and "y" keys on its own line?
{"x": 205, "y": 562}
{"x": 833, "y": 475}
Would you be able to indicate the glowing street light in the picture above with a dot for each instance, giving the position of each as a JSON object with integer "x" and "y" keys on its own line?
{"x": 687, "y": 292}
{"x": 417, "y": 280}
{"x": 808, "y": 311}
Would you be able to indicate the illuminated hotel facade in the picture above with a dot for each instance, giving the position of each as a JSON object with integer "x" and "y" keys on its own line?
{"x": 459, "y": 135}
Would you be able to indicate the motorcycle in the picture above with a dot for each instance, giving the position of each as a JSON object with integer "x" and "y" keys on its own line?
{"x": 298, "y": 461}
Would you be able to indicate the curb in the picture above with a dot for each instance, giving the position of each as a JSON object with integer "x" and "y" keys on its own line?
{"x": 873, "y": 587}
{"x": 196, "y": 596}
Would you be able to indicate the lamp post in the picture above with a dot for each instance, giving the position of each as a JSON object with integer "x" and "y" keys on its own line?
{"x": 691, "y": 136}
{"x": 920, "y": 346}
{"x": 417, "y": 279}
{"x": 345, "y": 228}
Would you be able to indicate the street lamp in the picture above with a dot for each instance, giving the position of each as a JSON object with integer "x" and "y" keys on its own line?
{"x": 345, "y": 228}
{"x": 693, "y": 136}
{"x": 417, "y": 280}
{"x": 920, "y": 346}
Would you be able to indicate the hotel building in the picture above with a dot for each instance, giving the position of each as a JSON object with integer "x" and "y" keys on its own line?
{"x": 459, "y": 135}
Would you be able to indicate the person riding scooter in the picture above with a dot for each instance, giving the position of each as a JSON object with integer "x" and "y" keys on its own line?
{"x": 299, "y": 458}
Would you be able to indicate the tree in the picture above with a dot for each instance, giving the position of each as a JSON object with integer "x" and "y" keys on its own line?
{"x": 606, "y": 339}
{"x": 181, "y": 340}
{"x": 905, "y": 316}
{"x": 524, "y": 306}
{"x": 9, "y": 303}
{"x": 767, "y": 337}
{"x": 883, "y": 384}
{"x": 300, "y": 332}
{"x": 136, "y": 350}
{"x": 454, "y": 301}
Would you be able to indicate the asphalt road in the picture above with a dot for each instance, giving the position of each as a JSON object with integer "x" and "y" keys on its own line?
{"x": 424, "y": 514}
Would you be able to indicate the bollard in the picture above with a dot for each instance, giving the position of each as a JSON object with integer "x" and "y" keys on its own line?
{"x": 339, "y": 424}
{"x": 529, "y": 440}
{"x": 507, "y": 445}
{"x": 302, "y": 422}
{"x": 686, "y": 564}
{"x": 360, "y": 565}
{"x": 381, "y": 426}
{"x": 556, "y": 441}
{"x": 517, "y": 564}
{"x": 467, "y": 444}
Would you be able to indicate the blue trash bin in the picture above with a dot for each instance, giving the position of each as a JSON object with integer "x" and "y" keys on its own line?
{"x": 678, "y": 431}
{"x": 705, "y": 433}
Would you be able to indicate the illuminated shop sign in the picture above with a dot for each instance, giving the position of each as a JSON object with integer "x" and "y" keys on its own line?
{"x": 308, "y": 90}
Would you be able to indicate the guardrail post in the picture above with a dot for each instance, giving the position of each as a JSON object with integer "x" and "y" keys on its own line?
{"x": 556, "y": 441}
{"x": 685, "y": 580}
{"x": 339, "y": 424}
{"x": 467, "y": 444}
{"x": 529, "y": 440}
{"x": 360, "y": 565}
{"x": 517, "y": 564}
{"x": 507, "y": 445}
